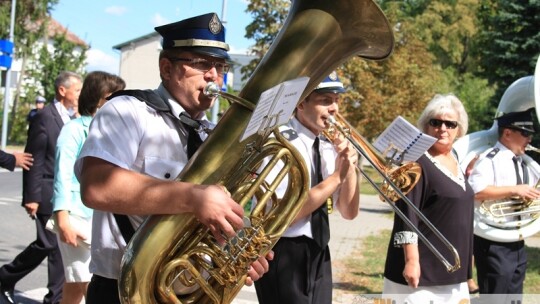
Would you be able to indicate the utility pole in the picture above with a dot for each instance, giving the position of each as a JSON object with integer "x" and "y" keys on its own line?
{"x": 8, "y": 78}
{"x": 215, "y": 107}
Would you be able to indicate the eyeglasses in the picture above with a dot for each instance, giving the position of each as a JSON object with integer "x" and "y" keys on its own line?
{"x": 437, "y": 123}
{"x": 523, "y": 133}
{"x": 204, "y": 65}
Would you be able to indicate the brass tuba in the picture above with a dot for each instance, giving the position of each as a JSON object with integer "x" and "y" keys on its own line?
{"x": 511, "y": 219}
{"x": 318, "y": 35}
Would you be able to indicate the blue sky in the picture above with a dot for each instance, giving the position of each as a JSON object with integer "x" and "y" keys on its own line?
{"x": 106, "y": 23}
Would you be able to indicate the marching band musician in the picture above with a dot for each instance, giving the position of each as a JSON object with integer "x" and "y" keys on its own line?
{"x": 301, "y": 271}
{"x": 413, "y": 274}
{"x": 501, "y": 266}
{"x": 138, "y": 144}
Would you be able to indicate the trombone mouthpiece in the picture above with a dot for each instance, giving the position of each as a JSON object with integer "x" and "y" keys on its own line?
{"x": 211, "y": 89}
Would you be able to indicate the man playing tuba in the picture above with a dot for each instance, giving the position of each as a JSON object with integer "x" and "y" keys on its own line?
{"x": 500, "y": 174}
{"x": 140, "y": 141}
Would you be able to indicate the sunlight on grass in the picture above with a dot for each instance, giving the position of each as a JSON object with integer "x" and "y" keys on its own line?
{"x": 366, "y": 266}
{"x": 365, "y": 186}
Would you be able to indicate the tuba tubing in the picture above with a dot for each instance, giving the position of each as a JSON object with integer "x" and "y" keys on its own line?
{"x": 317, "y": 36}
{"x": 407, "y": 176}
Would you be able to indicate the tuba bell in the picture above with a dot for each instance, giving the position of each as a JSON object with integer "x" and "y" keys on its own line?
{"x": 176, "y": 250}
{"x": 511, "y": 219}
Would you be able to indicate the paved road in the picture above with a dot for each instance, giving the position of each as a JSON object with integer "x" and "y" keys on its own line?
{"x": 18, "y": 231}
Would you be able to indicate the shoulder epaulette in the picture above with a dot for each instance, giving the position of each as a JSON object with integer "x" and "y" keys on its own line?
{"x": 151, "y": 98}
{"x": 492, "y": 153}
{"x": 289, "y": 134}
{"x": 324, "y": 138}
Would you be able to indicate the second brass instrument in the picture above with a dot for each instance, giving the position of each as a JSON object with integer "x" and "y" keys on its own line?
{"x": 397, "y": 182}
{"x": 510, "y": 219}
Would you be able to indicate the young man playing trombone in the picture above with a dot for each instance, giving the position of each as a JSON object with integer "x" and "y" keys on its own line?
{"x": 301, "y": 270}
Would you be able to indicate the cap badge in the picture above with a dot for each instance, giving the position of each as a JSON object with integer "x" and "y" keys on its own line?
{"x": 214, "y": 25}
{"x": 333, "y": 76}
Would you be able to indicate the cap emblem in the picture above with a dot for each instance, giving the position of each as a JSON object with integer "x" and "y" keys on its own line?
{"x": 333, "y": 76}
{"x": 214, "y": 25}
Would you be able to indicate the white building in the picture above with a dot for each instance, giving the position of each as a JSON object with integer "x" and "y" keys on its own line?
{"x": 139, "y": 63}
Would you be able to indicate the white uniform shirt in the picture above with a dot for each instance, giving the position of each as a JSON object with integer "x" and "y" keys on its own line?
{"x": 498, "y": 170}
{"x": 128, "y": 133}
{"x": 302, "y": 139}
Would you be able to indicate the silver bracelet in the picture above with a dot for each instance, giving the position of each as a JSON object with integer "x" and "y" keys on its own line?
{"x": 405, "y": 237}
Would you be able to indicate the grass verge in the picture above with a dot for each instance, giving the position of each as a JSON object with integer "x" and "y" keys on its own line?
{"x": 365, "y": 267}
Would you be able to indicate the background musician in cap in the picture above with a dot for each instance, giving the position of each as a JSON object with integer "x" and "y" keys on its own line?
{"x": 40, "y": 103}
{"x": 301, "y": 271}
{"x": 501, "y": 266}
{"x": 135, "y": 149}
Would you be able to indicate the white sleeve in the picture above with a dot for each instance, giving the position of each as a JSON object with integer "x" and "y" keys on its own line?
{"x": 115, "y": 132}
{"x": 482, "y": 175}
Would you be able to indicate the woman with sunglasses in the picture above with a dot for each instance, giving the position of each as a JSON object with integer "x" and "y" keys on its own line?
{"x": 502, "y": 172}
{"x": 413, "y": 274}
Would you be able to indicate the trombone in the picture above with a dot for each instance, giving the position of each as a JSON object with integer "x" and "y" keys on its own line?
{"x": 396, "y": 184}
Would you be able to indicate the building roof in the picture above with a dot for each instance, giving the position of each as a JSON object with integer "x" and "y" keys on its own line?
{"x": 129, "y": 42}
{"x": 55, "y": 28}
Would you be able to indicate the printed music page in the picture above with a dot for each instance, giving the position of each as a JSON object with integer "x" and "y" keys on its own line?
{"x": 275, "y": 106}
{"x": 403, "y": 138}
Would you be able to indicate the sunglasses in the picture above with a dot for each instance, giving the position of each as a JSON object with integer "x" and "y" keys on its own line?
{"x": 437, "y": 123}
{"x": 204, "y": 65}
{"x": 523, "y": 133}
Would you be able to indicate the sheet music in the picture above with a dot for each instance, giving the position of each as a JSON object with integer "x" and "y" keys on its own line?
{"x": 275, "y": 106}
{"x": 405, "y": 137}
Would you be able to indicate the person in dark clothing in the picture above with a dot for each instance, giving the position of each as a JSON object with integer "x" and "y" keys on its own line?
{"x": 40, "y": 103}
{"x": 413, "y": 274}
{"x": 16, "y": 159}
{"x": 38, "y": 189}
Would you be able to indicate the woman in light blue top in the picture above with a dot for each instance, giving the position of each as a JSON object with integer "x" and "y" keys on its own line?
{"x": 73, "y": 218}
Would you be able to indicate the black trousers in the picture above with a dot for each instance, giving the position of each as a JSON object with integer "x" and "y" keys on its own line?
{"x": 102, "y": 290}
{"x": 45, "y": 246}
{"x": 301, "y": 273}
{"x": 501, "y": 267}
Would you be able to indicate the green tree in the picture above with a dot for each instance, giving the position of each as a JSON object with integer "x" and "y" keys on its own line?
{"x": 65, "y": 56}
{"x": 509, "y": 42}
{"x": 29, "y": 27}
{"x": 450, "y": 31}
{"x": 399, "y": 85}
{"x": 32, "y": 28}
{"x": 268, "y": 18}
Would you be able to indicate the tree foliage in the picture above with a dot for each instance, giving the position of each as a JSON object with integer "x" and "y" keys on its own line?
{"x": 379, "y": 90}
{"x": 268, "y": 18}
{"x": 40, "y": 65}
{"x": 509, "y": 41}
{"x": 471, "y": 48}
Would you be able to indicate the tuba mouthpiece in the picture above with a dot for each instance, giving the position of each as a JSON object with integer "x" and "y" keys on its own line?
{"x": 331, "y": 119}
{"x": 211, "y": 89}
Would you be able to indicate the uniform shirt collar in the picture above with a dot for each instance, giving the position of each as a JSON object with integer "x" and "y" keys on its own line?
{"x": 504, "y": 150}
{"x": 303, "y": 132}
{"x": 176, "y": 108}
